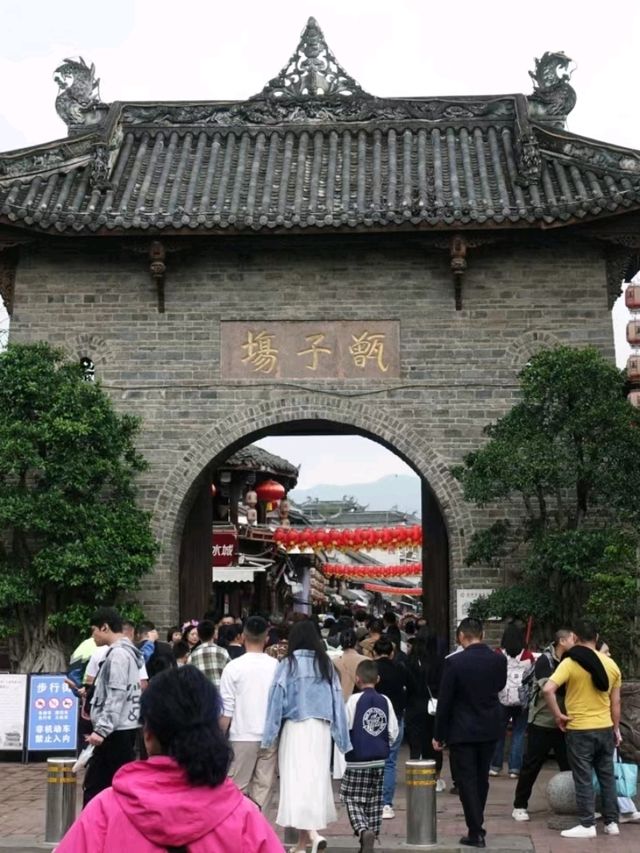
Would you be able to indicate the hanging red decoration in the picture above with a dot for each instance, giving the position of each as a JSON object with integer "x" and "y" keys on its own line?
{"x": 270, "y": 491}
{"x": 338, "y": 570}
{"x": 350, "y": 539}
{"x": 214, "y": 491}
{"x": 392, "y": 590}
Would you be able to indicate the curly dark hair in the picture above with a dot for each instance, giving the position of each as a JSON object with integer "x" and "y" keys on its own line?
{"x": 180, "y": 707}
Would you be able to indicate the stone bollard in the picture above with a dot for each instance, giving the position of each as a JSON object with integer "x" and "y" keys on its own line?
{"x": 61, "y": 798}
{"x": 421, "y": 803}
{"x": 561, "y": 794}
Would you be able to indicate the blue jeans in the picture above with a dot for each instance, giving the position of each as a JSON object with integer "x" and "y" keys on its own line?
{"x": 389, "y": 778}
{"x": 518, "y": 717}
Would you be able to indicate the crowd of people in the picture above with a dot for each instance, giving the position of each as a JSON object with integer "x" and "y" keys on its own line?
{"x": 304, "y": 701}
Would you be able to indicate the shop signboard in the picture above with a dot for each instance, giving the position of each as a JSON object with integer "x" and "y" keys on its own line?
{"x": 13, "y": 702}
{"x": 52, "y": 721}
{"x": 224, "y": 548}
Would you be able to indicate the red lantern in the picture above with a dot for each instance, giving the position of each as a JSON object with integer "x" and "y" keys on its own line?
{"x": 270, "y": 491}
{"x": 633, "y": 368}
{"x": 632, "y": 297}
{"x": 214, "y": 491}
{"x": 633, "y": 332}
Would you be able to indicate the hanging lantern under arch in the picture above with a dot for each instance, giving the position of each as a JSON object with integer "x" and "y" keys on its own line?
{"x": 214, "y": 490}
{"x": 270, "y": 492}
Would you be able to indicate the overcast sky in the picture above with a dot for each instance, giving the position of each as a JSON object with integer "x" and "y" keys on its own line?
{"x": 197, "y": 50}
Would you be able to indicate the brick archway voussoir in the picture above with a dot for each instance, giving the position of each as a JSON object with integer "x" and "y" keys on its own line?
{"x": 170, "y": 507}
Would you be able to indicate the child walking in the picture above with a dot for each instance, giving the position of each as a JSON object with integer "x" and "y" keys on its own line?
{"x": 373, "y": 726}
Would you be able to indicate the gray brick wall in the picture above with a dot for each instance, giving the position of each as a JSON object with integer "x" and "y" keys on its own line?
{"x": 459, "y": 369}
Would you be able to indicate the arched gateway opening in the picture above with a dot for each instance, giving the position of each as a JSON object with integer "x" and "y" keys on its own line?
{"x": 183, "y": 511}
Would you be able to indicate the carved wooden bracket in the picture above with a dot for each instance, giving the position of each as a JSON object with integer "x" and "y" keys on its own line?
{"x": 621, "y": 244}
{"x": 458, "y": 252}
{"x": 158, "y": 268}
{"x": 620, "y": 265}
{"x": 8, "y": 265}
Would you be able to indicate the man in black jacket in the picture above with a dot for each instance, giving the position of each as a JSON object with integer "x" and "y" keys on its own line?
{"x": 468, "y": 720}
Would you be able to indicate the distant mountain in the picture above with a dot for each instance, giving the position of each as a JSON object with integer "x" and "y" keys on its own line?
{"x": 399, "y": 491}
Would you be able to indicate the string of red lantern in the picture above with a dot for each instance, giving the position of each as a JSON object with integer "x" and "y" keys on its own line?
{"x": 337, "y": 570}
{"x": 392, "y": 590}
{"x": 349, "y": 539}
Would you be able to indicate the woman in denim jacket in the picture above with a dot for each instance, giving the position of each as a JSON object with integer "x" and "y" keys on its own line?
{"x": 307, "y": 698}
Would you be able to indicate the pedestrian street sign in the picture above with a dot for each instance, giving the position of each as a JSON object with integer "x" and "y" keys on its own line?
{"x": 52, "y": 718}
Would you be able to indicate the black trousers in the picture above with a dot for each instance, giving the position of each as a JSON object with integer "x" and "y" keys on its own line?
{"x": 540, "y": 742}
{"x": 470, "y": 766}
{"x": 418, "y": 726}
{"x": 116, "y": 749}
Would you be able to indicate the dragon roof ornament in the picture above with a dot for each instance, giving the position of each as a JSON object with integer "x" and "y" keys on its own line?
{"x": 79, "y": 93}
{"x": 552, "y": 98}
{"x": 312, "y": 72}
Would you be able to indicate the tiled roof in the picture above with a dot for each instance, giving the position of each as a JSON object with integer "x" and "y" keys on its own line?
{"x": 256, "y": 458}
{"x": 370, "y": 518}
{"x": 319, "y": 154}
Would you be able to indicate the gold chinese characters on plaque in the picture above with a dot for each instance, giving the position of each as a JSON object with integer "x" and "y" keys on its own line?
{"x": 326, "y": 349}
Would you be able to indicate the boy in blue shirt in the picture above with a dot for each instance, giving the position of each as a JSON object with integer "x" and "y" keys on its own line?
{"x": 373, "y": 726}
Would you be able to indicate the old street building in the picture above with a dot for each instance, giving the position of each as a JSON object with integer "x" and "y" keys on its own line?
{"x": 316, "y": 258}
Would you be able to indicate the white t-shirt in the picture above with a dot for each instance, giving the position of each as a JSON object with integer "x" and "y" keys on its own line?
{"x": 96, "y": 659}
{"x": 244, "y": 689}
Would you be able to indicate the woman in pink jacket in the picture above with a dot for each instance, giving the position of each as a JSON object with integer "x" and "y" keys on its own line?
{"x": 180, "y": 799}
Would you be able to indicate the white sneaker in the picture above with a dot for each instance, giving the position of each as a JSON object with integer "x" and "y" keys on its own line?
{"x": 441, "y": 786}
{"x": 387, "y": 812}
{"x": 520, "y": 814}
{"x": 611, "y": 829}
{"x": 627, "y": 818}
{"x": 579, "y": 831}
{"x": 493, "y": 772}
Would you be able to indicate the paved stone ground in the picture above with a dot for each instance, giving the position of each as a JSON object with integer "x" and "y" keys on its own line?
{"x": 22, "y": 804}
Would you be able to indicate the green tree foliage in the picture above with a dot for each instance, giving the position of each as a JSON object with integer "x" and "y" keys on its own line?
{"x": 569, "y": 455}
{"x": 71, "y": 534}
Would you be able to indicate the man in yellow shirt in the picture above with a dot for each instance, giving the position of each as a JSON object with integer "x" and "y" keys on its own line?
{"x": 592, "y": 726}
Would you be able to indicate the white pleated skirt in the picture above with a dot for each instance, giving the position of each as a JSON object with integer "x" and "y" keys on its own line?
{"x": 306, "y": 795}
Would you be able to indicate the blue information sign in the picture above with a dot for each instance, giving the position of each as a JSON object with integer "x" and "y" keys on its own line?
{"x": 52, "y": 721}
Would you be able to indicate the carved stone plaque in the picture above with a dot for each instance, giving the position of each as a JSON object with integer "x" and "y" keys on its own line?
{"x": 322, "y": 349}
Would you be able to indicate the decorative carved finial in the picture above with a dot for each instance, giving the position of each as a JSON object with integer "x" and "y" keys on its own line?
{"x": 79, "y": 91}
{"x": 100, "y": 168}
{"x": 312, "y": 71}
{"x": 552, "y": 98}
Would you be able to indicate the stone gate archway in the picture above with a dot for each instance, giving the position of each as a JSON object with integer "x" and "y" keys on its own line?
{"x": 223, "y": 438}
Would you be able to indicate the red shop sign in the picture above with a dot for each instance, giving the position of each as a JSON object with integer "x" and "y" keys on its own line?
{"x": 224, "y": 548}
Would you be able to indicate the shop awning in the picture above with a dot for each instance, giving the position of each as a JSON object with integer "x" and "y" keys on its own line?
{"x": 235, "y": 575}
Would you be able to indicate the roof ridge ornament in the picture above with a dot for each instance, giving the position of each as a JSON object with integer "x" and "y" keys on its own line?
{"x": 312, "y": 72}
{"x": 78, "y": 103}
{"x": 552, "y": 98}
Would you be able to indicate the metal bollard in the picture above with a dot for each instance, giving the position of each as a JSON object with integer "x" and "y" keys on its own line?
{"x": 421, "y": 803}
{"x": 61, "y": 797}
